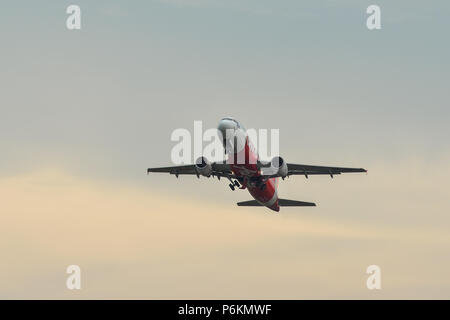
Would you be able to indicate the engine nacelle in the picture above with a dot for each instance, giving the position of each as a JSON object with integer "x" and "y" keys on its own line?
{"x": 279, "y": 166}
{"x": 203, "y": 166}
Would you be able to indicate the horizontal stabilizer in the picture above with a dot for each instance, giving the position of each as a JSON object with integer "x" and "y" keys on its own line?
{"x": 251, "y": 203}
{"x": 294, "y": 203}
{"x": 281, "y": 203}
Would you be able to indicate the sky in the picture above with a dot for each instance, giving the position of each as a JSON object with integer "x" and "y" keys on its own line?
{"x": 84, "y": 113}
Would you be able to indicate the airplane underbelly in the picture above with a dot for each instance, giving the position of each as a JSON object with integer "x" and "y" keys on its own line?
{"x": 267, "y": 197}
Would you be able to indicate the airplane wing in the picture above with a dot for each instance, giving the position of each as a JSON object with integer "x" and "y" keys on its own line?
{"x": 306, "y": 170}
{"x": 218, "y": 169}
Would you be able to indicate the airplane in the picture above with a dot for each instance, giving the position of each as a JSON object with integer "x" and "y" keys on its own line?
{"x": 260, "y": 178}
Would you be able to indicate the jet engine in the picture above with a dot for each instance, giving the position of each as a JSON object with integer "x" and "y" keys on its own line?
{"x": 279, "y": 166}
{"x": 203, "y": 166}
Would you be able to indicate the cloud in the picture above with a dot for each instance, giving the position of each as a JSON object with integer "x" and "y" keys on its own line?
{"x": 134, "y": 242}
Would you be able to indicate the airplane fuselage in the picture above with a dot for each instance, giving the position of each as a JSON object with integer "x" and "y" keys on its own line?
{"x": 243, "y": 160}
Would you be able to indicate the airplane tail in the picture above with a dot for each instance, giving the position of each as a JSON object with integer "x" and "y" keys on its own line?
{"x": 281, "y": 203}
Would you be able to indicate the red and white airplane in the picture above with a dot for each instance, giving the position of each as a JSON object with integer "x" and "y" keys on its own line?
{"x": 259, "y": 177}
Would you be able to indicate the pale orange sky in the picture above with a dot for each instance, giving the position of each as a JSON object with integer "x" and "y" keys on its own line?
{"x": 142, "y": 243}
